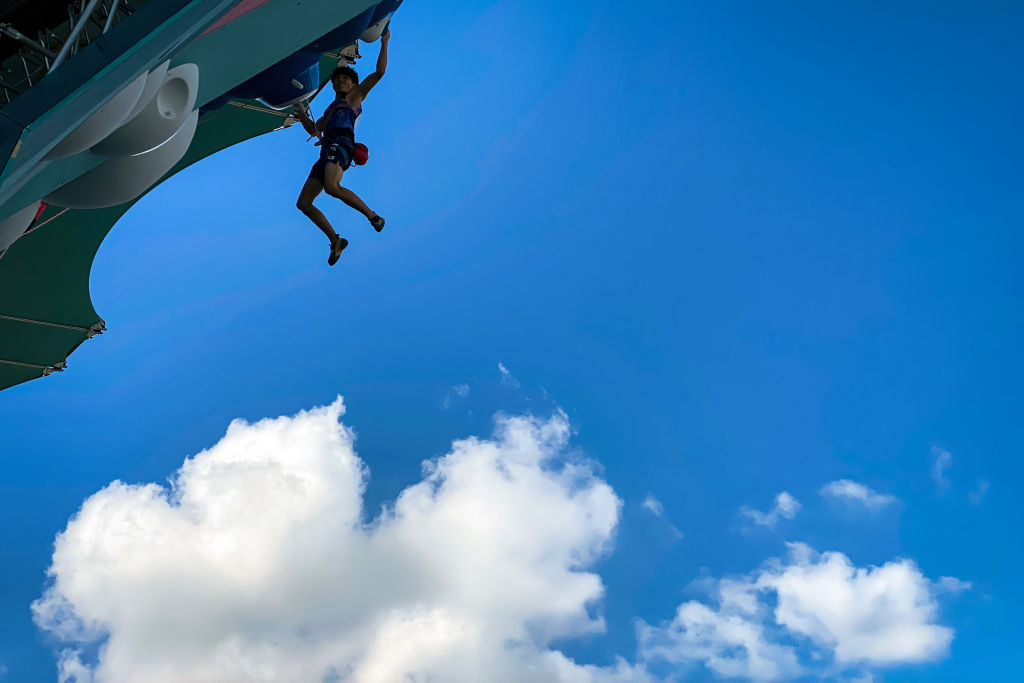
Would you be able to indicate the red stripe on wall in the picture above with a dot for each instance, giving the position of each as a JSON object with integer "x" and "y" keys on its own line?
{"x": 241, "y": 9}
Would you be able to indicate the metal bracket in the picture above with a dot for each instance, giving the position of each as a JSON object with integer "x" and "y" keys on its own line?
{"x": 91, "y": 331}
{"x": 73, "y": 36}
{"x": 9, "y": 30}
{"x": 83, "y": 23}
{"x": 110, "y": 16}
{"x": 59, "y": 366}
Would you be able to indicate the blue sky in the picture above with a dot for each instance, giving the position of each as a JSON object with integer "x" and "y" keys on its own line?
{"x": 746, "y": 249}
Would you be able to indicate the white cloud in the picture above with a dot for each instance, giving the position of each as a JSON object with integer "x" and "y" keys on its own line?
{"x": 506, "y": 376}
{"x": 852, "y": 491}
{"x": 865, "y": 677}
{"x": 256, "y": 564}
{"x": 70, "y": 668}
{"x": 786, "y": 507}
{"x": 977, "y": 494}
{"x": 845, "y": 616}
{"x": 729, "y": 644}
{"x": 952, "y": 585}
{"x": 880, "y": 615}
{"x": 942, "y": 460}
{"x": 457, "y": 391}
{"x": 655, "y": 507}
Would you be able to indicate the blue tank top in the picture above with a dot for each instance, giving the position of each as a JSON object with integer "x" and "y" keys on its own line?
{"x": 341, "y": 118}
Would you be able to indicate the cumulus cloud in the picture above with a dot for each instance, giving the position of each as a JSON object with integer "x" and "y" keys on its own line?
{"x": 257, "y": 564}
{"x": 728, "y": 643}
{"x": 941, "y": 461}
{"x": 786, "y": 507}
{"x": 880, "y": 615}
{"x": 506, "y": 376}
{"x": 854, "y": 492}
{"x": 70, "y": 668}
{"x": 847, "y": 617}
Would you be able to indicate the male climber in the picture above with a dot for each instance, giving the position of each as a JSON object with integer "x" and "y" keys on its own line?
{"x": 336, "y": 130}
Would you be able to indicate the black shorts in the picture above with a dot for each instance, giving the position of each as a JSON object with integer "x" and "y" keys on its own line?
{"x": 332, "y": 151}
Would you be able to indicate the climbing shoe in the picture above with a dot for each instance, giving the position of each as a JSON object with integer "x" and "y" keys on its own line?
{"x": 337, "y": 246}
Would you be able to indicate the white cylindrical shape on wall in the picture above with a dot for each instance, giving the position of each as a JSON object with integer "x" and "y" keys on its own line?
{"x": 98, "y": 126}
{"x": 155, "y": 79}
{"x": 14, "y": 227}
{"x": 374, "y": 32}
{"x": 123, "y": 178}
{"x": 160, "y": 118}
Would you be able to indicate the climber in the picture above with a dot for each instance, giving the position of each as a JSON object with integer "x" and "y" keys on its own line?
{"x": 336, "y": 131}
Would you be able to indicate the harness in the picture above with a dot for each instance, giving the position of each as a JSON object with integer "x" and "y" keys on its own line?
{"x": 340, "y": 125}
